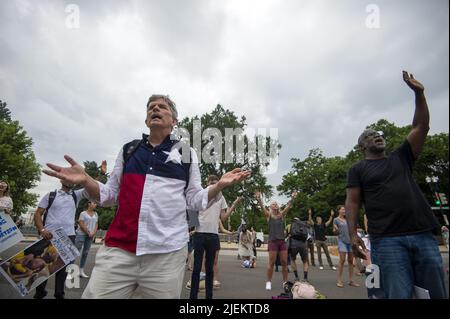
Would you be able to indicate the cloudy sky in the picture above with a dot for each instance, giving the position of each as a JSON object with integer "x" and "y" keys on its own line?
{"x": 319, "y": 71}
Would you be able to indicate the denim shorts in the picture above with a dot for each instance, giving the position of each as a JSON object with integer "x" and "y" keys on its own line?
{"x": 344, "y": 248}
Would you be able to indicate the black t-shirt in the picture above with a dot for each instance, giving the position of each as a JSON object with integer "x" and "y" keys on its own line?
{"x": 319, "y": 230}
{"x": 392, "y": 199}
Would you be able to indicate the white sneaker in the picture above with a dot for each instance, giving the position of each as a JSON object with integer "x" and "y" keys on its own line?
{"x": 268, "y": 285}
{"x": 321, "y": 267}
{"x": 334, "y": 268}
{"x": 83, "y": 274}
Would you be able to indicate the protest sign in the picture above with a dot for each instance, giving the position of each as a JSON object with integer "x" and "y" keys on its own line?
{"x": 38, "y": 262}
{"x": 9, "y": 232}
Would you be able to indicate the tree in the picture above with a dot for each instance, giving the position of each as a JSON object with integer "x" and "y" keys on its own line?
{"x": 320, "y": 183}
{"x": 18, "y": 164}
{"x": 223, "y": 121}
{"x": 5, "y": 114}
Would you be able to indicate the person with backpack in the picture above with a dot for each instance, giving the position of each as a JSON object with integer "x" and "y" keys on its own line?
{"x": 275, "y": 219}
{"x": 57, "y": 210}
{"x": 154, "y": 180}
{"x": 298, "y": 237}
{"x": 310, "y": 241}
{"x": 321, "y": 239}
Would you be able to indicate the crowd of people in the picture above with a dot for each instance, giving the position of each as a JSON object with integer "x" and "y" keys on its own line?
{"x": 156, "y": 186}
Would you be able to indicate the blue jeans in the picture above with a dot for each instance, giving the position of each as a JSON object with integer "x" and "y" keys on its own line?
{"x": 85, "y": 242}
{"x": 208, "y": 244}
{"x": 405, "y": 261}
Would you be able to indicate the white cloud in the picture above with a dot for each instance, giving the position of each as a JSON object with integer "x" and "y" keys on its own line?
{"x": 312, "y": 69}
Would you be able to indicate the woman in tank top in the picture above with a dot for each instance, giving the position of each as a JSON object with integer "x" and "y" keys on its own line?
{"x": 276, "y": 245}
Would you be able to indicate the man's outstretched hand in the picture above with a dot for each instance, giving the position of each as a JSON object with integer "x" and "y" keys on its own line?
{"x": 104, "y": 167}
{"x": 74, "y": 174}
{"x": 415, "y": 85}
{"x": 233, "y": 177}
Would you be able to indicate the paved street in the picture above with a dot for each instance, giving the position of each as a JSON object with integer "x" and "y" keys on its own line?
{"x": 237, "y": 282}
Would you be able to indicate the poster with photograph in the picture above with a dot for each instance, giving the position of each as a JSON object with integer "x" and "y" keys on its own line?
{"x": 38, "y": 262}
{"x": 9, "y": 232}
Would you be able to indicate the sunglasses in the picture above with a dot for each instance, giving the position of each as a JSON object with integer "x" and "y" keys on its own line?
{"x": 374, "y": 134}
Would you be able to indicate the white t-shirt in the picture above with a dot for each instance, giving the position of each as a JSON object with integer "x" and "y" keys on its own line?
{"x": 62, "y": 212}
{"x": 89, "y": 221}
{"x": 209, "y": 218}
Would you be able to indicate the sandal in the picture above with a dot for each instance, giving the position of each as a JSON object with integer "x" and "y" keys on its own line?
{"x": 340, "y": 284}
{"x": 353, "y": 284}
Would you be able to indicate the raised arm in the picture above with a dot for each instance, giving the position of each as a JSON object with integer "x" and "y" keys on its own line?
{"x": 311, "y": 221}
{"x": 327, "y": 223}
{"x": 289, "y": 205}
{"x": 223, "y": 230}
{"x": 352, "y": 205}
{"x": 421, "y": 120}
{"x": 261, "y": 204}
{"x": 102, "y": 178}
{"x": 228, "y": 179}
{"x": 225, "y": 213}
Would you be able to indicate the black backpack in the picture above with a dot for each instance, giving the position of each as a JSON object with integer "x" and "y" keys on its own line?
{"x": 299, "y": 230}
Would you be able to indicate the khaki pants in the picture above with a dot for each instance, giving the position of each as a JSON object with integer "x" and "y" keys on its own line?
{"x": 118, "y": 273}
{"x": 323, "y": 245}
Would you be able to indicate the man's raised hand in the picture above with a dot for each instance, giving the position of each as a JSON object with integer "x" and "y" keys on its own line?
{"x": 415, "y": 85}
{"x": 74, "y": 174}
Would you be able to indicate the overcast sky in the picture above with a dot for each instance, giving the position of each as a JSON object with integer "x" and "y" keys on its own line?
{"x": 319, "y": 71}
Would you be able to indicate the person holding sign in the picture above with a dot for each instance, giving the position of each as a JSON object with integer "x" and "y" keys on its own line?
{"x": 57, "y": 210}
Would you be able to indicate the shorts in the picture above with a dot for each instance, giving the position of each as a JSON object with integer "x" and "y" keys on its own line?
{"x": 277, "y": 245}
{"x": 301, "y": 249}
{"x": 344, "y": 248}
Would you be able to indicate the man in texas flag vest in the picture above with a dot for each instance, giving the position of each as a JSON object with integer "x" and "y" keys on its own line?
{"x": 146, "y": 244}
